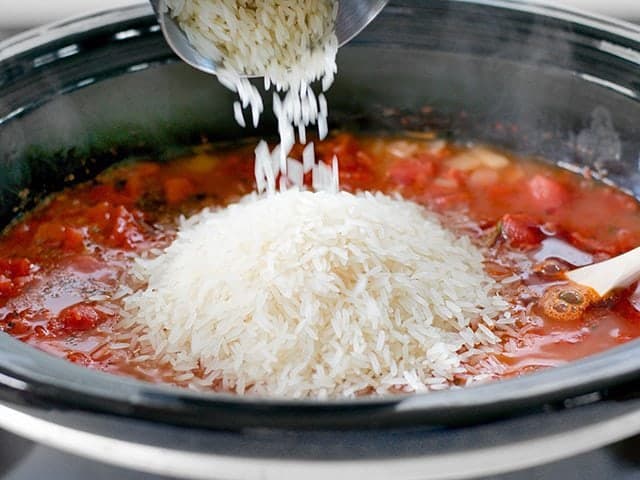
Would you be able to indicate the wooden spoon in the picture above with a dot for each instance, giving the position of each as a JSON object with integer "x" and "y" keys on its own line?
{"x": 589, "y": 285}
{"x": 617, "y": 272}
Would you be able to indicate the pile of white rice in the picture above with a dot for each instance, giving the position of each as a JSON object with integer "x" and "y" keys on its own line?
{"x": 298, "y": 293}
{"x": 304, "y": 294}
{"x": 290, "y": 43}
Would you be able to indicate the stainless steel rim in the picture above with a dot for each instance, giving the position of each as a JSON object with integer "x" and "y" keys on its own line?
{"x": 487, "y": 460}
{"x": 36, "y": 36}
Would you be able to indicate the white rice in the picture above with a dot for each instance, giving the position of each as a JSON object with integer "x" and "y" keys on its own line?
{"x": 306, "y": 294}
{"x": 290, "y": 43}
{"x": 303, "y": 294}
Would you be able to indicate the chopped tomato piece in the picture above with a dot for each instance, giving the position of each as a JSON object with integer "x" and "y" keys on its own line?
{"x": 356, "y": 166}
{"x": 111, "y": 194}
{"x": 236, "y": 167}
{"x": 134, "y": 186}
{"x": 50, "y": 233}
{"x": 548, "y": 194}
{"x": 412, "y": 171}
{"x": 146, "y": 169}
{"x": 628, "y": 310}
{"x": 355, "y": 175}
{"x": 125, "y": 230}
{"x": 14, "y": 273}
{"x": 87, "y": 264}
{"x": 458, "y": 177}
{"x": 343, "y": 145}
{"x": 41, "y": 331}
{"x": 177, "y": 190}
{"x": 15, "y": 325}
{"x": 618, "y": 200}
{"x": 79, "y": 318}
{"x": 18, "y": 327}
{"x": 73, "y": 239}
{"x": 118, "y": 225}
{"x": 521, "y": 231}
{"x": 79, "y": 358}
{"x": 58, "y": 235}
{"x": 15, "y": 267}
{"x": 591, "y": 244}
{"x": 449, "y": 200}
{"x": 626, "y": 240}
{"x": 6, "y": 286}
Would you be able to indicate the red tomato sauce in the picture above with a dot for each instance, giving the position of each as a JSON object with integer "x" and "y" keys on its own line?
{"x": 62, "y": 265}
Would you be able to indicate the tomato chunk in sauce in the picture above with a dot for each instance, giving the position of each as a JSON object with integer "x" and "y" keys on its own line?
{"x": 62, "y": 266}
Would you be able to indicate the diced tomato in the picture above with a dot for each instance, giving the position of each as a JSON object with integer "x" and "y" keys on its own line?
{"x": 41, "y": 331}
{"x": 13, "y": 324}
{"x": 118, "y": 225}
{"x": 548, "y": 194}
{"x": 612, "y": 243}
{"x": 6, "y": 286}
{"x": 73, "y": 239}
{"x": 503, "y": 190}
{"x": 626, "y": 240}
{"x": 79, "y": 358}
{"x": 177, "y": 190}
{"x": 15, "y": 267}
{"x": 146, "y": 169}
{"x": 22, "y": 229}
{"x": 455, "y": 175}
{"x": 134, "y": 186}
{"x": 343, "y": 145}
{"x": 19, "y": 327}
{"x": 449, "y": 200}
{"x": 128, "y": 189}
{"x": 100, "y": 213}
{"x": 79, "y": 318}
{"x": 51, "y": 233}
{"x": 355, "y": 178}
{"x": 355, "y": 174}
{"x": 14, "y": 273}
{"x": 617, "y": 200}
{"x": 592, "y": 245}
{"x": 356, "y": 166}
{"x": 108, "y": 193}
{"x": 58, "y": 235}
{"x": 87, "y": 264}
{"x": 125, "y": 231}
{"x": 236, "y": 167}
{"x": 521, "y": 231}
{"x": 628, "y": 310}
{"x": 412, "y": 172}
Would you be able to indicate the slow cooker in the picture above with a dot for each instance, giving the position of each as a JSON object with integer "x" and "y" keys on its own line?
{"x": 79, "y": 95}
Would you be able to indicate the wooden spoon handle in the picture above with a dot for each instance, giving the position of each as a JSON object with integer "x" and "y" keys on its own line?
{"x": 616, "y": 272}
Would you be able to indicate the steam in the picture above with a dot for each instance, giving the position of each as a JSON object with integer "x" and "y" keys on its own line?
{"x": 599, "y": 144}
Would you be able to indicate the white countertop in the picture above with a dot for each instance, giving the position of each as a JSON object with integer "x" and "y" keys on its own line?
{"x": 26, "y": 13}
